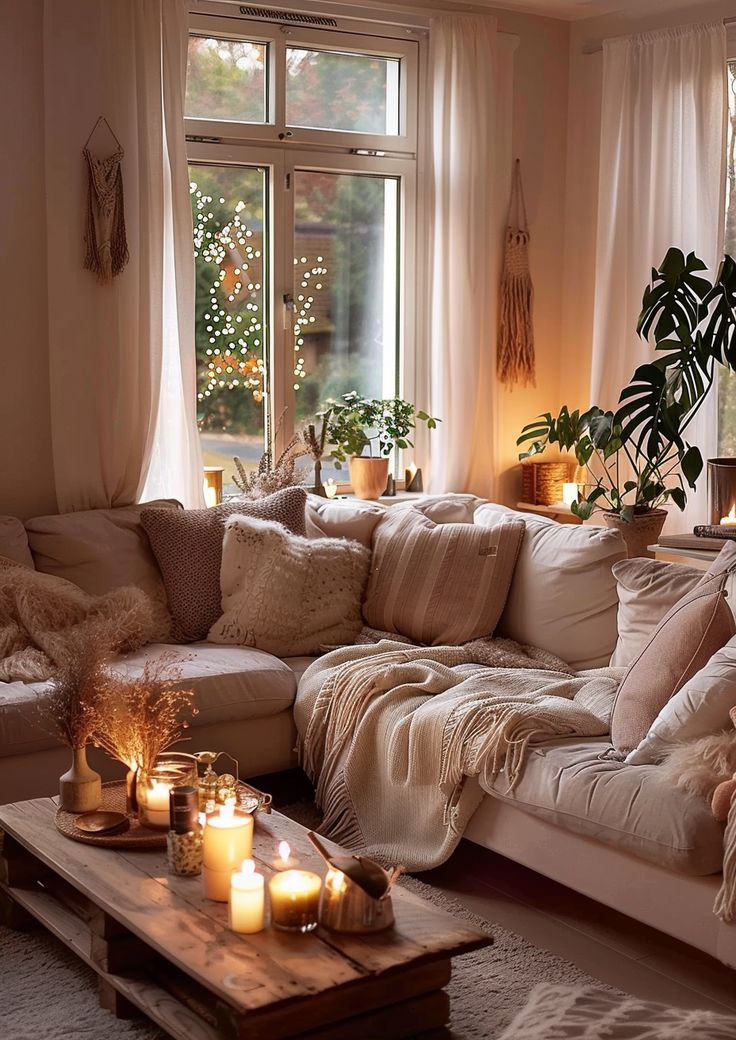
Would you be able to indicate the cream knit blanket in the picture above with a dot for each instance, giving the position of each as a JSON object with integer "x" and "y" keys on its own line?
{"x": 394, "y": 737}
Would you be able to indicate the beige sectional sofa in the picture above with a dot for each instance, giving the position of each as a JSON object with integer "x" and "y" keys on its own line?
{"x": 616, "y": 832}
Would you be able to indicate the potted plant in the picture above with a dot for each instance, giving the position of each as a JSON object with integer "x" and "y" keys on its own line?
{"x": 366, "y": 430}
{"x": 636, "y": 458}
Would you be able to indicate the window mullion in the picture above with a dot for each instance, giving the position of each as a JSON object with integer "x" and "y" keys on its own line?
{"x": 282, "y": 359}
{"x": 278, "y": 85}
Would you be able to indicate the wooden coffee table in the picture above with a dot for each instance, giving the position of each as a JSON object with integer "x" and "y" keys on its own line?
{"x": 159, "y": 946}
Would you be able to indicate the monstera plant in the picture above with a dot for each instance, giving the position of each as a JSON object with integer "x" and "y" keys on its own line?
{"x": 637, "y": 457}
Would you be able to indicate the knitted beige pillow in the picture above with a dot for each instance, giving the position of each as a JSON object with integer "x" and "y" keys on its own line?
{"x": 286, "y": 594}
{"x": 187, "y": 545}
{"x": 681, "y": 644}
{"x": 440, "y": 584}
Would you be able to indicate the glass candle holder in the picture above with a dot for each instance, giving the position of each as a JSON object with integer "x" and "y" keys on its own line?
{"x": 722, "y": 491}
{"x": 294, "y": 898}
{"x": 153, "y": 787}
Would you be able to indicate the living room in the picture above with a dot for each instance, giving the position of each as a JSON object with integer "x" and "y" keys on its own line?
{"x": 367, "y": 523}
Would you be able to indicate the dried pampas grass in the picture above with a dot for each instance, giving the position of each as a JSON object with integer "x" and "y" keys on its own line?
{"x": 74, "y": 707}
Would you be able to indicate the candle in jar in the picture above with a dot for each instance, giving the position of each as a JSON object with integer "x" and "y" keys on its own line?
{"x": 228, "y": 840}
{"x": 569, "y": 493}
{"x": 294, "y": 896}
{"x": 156, "y": 799}
{"x": 247, "y": 900}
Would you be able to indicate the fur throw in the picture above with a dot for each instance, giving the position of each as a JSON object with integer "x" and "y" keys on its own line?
{"x": 699, "y": 766}
{"x": 42, "y": 615}
{"x": 286, "y": 594}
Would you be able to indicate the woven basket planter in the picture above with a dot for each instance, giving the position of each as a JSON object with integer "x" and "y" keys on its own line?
{"x": 541, "y": 482}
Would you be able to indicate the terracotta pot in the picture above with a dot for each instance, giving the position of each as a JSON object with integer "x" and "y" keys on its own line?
{"x": 80, "y": 788}
{"x": 368, "y": 476}
{"x": 643, "y": 530}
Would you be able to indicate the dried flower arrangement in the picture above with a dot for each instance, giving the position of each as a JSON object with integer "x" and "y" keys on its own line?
{"x": 73, "y": 709}
{"x": 271, "y": 476}
{"x": 314, "y": 446}
{"x": 143, "y": 717}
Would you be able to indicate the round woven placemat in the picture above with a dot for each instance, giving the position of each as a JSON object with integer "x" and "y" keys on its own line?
{"x": 113, "y": 798}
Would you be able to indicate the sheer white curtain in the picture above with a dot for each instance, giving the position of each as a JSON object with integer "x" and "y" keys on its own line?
{"x": 470, "y": 93}
{"x": 662, "y": 176}
{"x": 121, "y": 355}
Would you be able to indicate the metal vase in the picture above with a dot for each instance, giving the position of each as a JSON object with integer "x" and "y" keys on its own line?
{"x": 345, "y": 907}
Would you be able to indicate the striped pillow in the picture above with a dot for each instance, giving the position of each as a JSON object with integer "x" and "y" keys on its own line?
{"x": 439, "y": 584}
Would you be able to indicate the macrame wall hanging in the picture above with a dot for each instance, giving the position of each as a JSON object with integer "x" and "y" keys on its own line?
{"x": 515, "y": 354}
{"x": 106, "y": 250}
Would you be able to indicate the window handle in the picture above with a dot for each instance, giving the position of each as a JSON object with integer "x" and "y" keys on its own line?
{"x": 289, "y": 309}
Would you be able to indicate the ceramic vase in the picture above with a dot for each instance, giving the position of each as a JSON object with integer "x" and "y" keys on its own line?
{"x": 642, "y": 531}
{"x": 368, "y": 476}
{"x": 80, "y": 788}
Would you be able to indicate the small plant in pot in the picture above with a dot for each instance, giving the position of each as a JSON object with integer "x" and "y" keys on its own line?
{"x": 365, "y": 431}
{"x": 637, "y": 457}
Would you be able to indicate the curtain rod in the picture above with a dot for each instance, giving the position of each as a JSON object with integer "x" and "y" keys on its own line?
{"x": 595, "y": 48}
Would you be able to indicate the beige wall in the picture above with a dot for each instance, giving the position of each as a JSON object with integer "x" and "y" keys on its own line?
{"x": 586, "y": 68}
{"x": 26, "y": 480}
{"x": 539, "y": 140}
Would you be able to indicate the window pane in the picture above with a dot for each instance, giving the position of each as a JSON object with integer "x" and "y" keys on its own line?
{"x": 727, "y": 378}
{"x": 330, "y": 90}
{"x": 345, "y": 288}
{"x": 226, "y": 79}
{"x": 228, "y": 208}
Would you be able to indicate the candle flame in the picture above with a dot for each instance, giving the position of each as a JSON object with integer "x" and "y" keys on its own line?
{"x": 732, "y": 514}
{"x": 248, "y": 867}
{"x": 227, "y": 812}
{"x": 412, "y": 469}
{"x": 284, "y": 851}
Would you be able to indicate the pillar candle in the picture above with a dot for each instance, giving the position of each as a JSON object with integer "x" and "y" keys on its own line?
{"x": 228, "y": 840}
{"x": 247, "y": 900}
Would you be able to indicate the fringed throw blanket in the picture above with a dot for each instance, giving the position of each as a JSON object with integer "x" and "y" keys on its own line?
{"x": 515, "y": 353}
{"x": 41, "y": 616}
{"x": 391, "y": 735}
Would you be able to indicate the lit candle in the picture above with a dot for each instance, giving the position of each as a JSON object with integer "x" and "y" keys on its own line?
{"x": 569, "y": 493}
{"x": 730, "y": 520}
{"x": 210, "y": 496}
{"x": 247, "y": 900}
{"x": 228, "y": 840}
{"x": 294, "y": 894}
{"x": 330, "y": 488}
{"x": 153, "y": 803}
{"x": 413, "y": 478}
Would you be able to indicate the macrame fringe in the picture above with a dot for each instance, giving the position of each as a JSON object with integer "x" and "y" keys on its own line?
{"x": 515, "y": 363}
{"x": 725, "y": 905}
{"x": 104, "y": 234}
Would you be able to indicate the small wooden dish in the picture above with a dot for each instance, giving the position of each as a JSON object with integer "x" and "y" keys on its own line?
{"x": 102, "y": 822}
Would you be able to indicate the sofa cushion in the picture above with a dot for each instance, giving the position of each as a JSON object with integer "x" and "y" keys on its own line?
{"x": 188, "y": 547}
{"x": 700, "y": 708}
{"x": 577, "y": 785}
{"x": 230, "y": 683}
{"x": 563, "y": 593}
{"x": 445, "y": 509}
{"x": 100, "y": 550}
{"x": 22, "y": 728}
{"x": 342, "y": 518}
{"x": 681, "y": 644}
{"x": 439, "y": 583}
{"x": 285, "y": 594}
{"x": 14, "y": 541}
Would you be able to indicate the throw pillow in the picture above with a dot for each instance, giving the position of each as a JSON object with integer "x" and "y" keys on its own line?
{"x": 681, "y": 644}
{"x": 188, "y": 547}
{"x": 287, "y": 594}
{"x": 563, "y": 596}
{"x": 344, "y": 518}
{"x": 439, "y": 584}
{"x": 647, "y": 590}
{"x": 700, "y": 708}
{"x": 14, "y": 541}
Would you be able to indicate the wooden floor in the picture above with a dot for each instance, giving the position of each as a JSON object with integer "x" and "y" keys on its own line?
{"x": 602, "y": 942}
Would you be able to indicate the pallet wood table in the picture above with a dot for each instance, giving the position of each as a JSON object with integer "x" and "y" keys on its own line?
{"x": 160, "y": 947}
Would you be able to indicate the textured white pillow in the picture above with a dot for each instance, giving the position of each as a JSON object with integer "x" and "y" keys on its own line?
{"x": 647, "y": 590}
{"x": 700, "y": 708}
{"x": 286, "y": 594}
{"x": 444, "y": 509}
{"x": 563, "y": 593}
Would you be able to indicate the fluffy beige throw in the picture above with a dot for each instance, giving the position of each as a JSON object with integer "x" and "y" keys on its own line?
{"x": 42, "y": 615}
{"x": 391, "y": 735}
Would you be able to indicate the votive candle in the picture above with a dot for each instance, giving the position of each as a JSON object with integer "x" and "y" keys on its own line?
{"x": 247, "y": 900}
{"x": 294, "y": 896}
{"x": 228, "y": 840}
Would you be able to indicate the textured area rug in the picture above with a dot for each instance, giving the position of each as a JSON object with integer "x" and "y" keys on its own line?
{"x": 47, "y": 994}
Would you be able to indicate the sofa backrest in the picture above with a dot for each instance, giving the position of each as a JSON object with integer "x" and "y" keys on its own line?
{"x": 563, "y": 596}
{"x": 14, "y": 541}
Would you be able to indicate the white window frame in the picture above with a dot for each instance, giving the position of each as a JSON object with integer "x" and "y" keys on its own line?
{"x": 282, "y": 150}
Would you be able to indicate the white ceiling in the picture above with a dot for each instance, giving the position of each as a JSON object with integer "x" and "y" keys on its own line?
{"x": 575, "y": 10}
